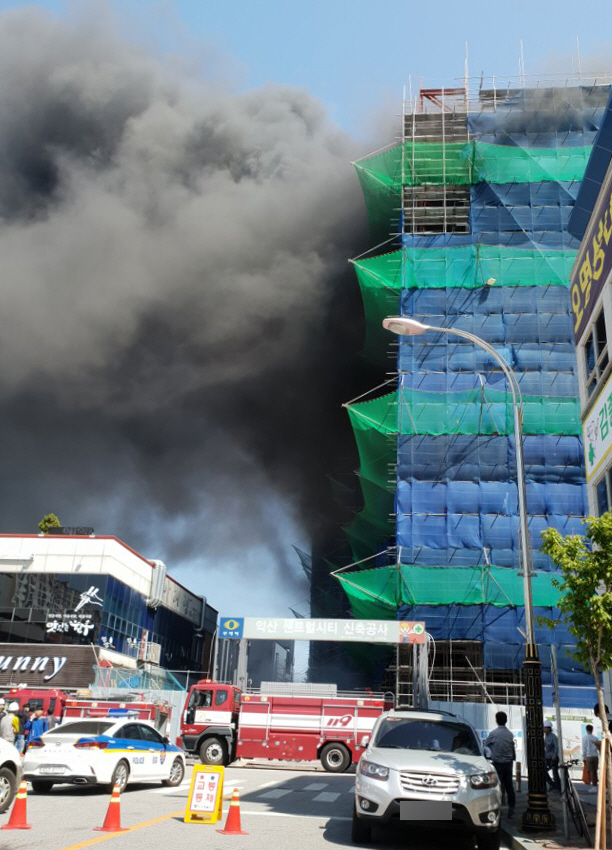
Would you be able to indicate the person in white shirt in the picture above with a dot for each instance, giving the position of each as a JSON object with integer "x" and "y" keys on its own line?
{"x": 590, "y": 754}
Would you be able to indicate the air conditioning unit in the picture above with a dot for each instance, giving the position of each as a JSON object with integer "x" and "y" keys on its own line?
{"x": 153, "y": 653}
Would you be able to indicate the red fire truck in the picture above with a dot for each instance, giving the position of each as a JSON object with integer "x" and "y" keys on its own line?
{"x": 220, "y": 723}
{"x": 65, "y": 706}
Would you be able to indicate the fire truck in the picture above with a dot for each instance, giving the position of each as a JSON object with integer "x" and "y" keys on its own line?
{"x": 65, "y": 706}
{"x": 221, "y": 723}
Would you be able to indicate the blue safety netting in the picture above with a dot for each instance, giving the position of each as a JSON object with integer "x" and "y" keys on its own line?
{"x": 456, "y": 495}
{"x": 530, "y": 207}
{"x": 519, "y": 239}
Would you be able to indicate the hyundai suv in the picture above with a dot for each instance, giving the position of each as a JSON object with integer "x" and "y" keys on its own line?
{"x": 428, "y": 767}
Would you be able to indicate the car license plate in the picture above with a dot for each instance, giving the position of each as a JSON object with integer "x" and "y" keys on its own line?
{"x": 52, "y": 768}
{"x": 430, "y": 810}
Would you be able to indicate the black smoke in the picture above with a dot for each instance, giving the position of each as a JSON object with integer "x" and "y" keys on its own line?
{"x": 179, "y": 324}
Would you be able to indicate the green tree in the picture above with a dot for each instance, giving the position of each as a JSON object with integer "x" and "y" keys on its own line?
{"x": 48, "y": 522}
{"x": 585, "y": 565}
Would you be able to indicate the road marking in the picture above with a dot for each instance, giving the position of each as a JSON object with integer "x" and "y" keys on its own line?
{"x": 266, "y": 785}
{"x": 315, "y": 786}
{"x": 275, "y": 794}
{"x": 171, "y": 789}
{"x": 281, "y": 815}
{"x": 92, "y": 841}
{"x": 326, "y": 797}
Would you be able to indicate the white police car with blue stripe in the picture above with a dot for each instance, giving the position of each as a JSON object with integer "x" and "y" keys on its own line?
{"x": 108, "y": 751}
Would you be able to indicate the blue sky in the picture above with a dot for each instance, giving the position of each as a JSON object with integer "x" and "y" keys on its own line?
{"x": 356, "y": 56}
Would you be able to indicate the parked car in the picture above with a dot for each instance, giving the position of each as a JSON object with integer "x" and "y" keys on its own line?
{"x": 428, "y": 767}
{"x": 105, "y": 751}
{"x": 10, "y": 774}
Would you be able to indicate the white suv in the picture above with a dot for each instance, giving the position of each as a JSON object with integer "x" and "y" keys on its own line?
{"x": 428, "y": 767}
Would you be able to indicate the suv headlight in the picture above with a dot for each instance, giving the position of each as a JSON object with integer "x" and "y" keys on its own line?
{"x": 484, "y": 780}
{"x": 373, "y": 770}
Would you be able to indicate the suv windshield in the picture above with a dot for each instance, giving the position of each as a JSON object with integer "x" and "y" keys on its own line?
{"x": 441, "y": 736}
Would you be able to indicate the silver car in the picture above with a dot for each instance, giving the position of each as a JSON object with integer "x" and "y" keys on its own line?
{"x": 428, "y": 767}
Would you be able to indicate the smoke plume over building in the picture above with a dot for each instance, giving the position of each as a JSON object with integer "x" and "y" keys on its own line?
{"x": 173, "y": 284}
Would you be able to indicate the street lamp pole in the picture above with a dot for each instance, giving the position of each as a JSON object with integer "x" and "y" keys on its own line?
{"x": 538, "y": 814}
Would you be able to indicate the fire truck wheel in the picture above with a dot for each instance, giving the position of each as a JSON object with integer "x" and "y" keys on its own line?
{"x": 213, "y": 751}
{"x": 41, "y": 787}
{"x": 335, "y": 758}
{"x": 177, "y": 772}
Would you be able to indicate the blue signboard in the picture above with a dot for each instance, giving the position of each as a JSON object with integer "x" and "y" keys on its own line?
{"x": 231, "y": 627}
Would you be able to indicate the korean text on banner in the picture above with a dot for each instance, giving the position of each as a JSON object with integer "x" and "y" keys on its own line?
{"x": 597, "y": 432}
{"x": 205, "y": 800}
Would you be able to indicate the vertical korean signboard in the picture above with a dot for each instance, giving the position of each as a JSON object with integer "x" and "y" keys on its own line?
{"x": 205, "y": 799}
{"x": 594, "y": 262}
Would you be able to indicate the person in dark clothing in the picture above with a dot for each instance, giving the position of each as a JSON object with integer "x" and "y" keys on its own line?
{"x": 52, "y": 720}
{"x": 23, "y": 716}
{"x": 596, "y": 713}
{"x": 500, "y": 744}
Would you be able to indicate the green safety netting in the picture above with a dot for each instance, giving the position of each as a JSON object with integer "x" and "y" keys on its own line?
{"x": 380, "y": 285}
{"x": 378, "y": 592}
{"x": 383, "y": 174}
{"x": 466, "y": 163}
{"x": 466, "y": 266}
{"x": 364, "y": 538}
{"x": 477, "y": 411}
{"x": 375, "y": 523}
{"x": 382, "y": 278}
{"x": 377, "y": 451}
{"x": 378, "y": 506}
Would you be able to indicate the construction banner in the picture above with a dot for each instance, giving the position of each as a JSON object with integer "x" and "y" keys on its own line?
{"x": 205, "y": 799}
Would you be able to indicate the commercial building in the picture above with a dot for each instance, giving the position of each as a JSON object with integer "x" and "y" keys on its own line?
{"x": 62, "y": 592}
{"x": 591, "y": 295}
{"x": 470, "y": 212}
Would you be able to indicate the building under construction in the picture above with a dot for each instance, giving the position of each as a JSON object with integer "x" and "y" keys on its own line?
{"x": 469, "y": 212}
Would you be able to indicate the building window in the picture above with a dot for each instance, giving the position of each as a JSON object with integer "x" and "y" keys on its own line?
{"x": 596, "y": 353}
{"x": 604, "y": 494}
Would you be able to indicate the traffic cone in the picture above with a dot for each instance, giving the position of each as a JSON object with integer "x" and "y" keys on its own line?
{"x": 18, "y": 816}
{"x": 232, "y": 824}
{"x": 112, "y": 821}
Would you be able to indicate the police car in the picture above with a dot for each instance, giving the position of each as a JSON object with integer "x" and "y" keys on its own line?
{"x": 105, "y": 751}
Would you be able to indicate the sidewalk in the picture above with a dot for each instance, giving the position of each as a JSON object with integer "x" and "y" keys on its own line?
{"x": 518, "y": 839}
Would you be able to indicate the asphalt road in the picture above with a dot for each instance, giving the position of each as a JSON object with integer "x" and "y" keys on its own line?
{"x": 280, "y": 808}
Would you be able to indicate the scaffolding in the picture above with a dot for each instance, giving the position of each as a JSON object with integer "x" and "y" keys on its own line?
{"x": 469, "y": 209}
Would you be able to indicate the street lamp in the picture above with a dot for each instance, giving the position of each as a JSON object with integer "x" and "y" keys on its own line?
{"x": 538, "y": 814}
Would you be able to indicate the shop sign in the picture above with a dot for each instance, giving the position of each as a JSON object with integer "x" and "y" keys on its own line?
{"x": 31, "y": 664}
{"x": 76, "y": 621}
{"x": 597, "y": 432}
{"x": 187, "y": 604}
{"x": 80, "y": 624}
{"x": 593, "y": 264}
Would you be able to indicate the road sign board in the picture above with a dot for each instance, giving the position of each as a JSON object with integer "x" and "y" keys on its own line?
{"x": 205, "y": 800}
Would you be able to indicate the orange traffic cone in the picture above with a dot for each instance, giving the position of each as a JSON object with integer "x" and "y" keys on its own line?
{"x": 232, "y": 824}
{"x": 18, "y": 816}
{"x": 112, "y": 821}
